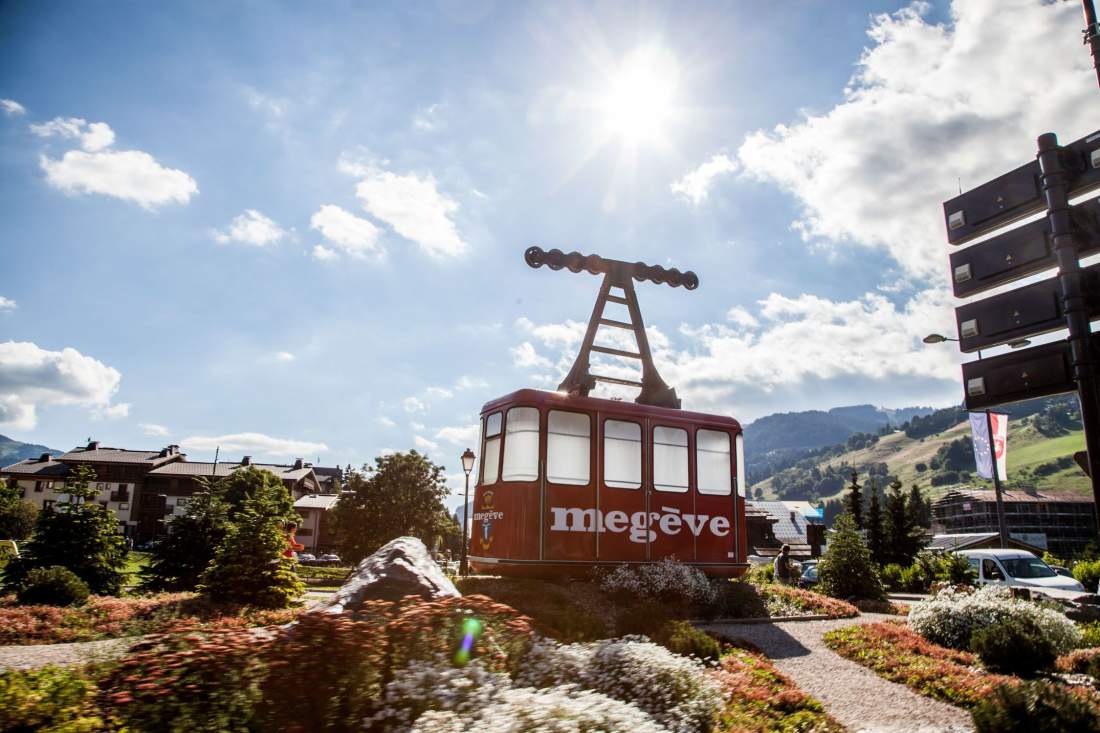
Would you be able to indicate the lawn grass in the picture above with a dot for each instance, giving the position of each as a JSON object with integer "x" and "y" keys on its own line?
{"x": 135, "y": 562}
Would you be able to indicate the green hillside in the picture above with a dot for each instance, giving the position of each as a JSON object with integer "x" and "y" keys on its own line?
{"x": 1033, "y": 461}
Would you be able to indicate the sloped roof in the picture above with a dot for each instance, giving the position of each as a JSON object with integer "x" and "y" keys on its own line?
{"x": 787, "y": 530}
{"x": 224, "y": 468}
{"x": 967, "y": 540}
{"x": 118, "y": 455}
{"x": 317, "y": 501}
{"x": 38, "y": 468}
{"x": 1013, "y": 496}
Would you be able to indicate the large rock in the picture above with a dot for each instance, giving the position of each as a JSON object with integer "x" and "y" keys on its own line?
{"x": 399, "y": 568}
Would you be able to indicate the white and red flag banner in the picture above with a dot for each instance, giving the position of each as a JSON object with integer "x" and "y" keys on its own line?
{"x": 978, "y": 427}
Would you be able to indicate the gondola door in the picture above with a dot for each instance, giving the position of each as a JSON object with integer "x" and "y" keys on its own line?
{"x": 622, "y": 493}
{"x": 570, "y": 518}
{"x": 714, "y": 499}
{"x": 673, "y": 523}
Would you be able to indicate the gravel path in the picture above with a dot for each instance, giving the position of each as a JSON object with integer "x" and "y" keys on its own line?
{"x": 81, "y": 652}
{"x": 851, "y": 693}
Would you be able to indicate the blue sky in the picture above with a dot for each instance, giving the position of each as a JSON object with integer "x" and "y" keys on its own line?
{"x": 297, "y": 230}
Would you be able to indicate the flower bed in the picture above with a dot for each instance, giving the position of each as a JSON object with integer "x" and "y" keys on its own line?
{"x": 785, "y": 600}
{"x": 105, "y": 617}
{"x": 759, "y": 698}
{"x": 899, "y": 654}
{"x": 892, "y": 608}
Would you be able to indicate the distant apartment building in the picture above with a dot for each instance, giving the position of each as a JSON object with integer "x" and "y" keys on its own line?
{"x": 1066, "y": 521}
{"x": 314, "y": 531}
{"x": 146, "y": 488}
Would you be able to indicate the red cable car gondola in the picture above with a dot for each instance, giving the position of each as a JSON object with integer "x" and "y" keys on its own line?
{"x": 568, "y": 482}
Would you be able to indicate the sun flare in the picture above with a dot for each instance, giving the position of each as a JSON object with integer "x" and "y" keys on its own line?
{"x": 641, "y": 95}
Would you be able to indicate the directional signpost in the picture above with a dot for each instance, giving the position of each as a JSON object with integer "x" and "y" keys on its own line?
{"x": 1069, "y": 300}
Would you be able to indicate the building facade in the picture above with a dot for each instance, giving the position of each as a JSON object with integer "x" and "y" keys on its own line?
{"x": 145, "y": 489}
{"x": 313, "y": 532}
{"x": 1068, "y": 521}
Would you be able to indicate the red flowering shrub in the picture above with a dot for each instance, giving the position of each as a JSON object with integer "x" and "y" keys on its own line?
{"x": 894, "y": 609}
{"x": 325, "y": 672}
{"x": 1077, "y": 662}
{"x": 108, "y": 616}
{"x": 810, "y": 603}
{"x": 899, "y": 654}
{"x": 759, "y": 698}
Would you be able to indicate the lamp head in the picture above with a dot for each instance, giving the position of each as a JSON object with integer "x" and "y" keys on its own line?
{"x": 468, "y": 461}
{"x": 934, "y": 338}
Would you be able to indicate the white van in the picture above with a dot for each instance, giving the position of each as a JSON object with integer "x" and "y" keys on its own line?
{"x": 1018, "y": 568}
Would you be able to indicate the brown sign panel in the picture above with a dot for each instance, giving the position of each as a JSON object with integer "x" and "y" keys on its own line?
{"x": 1028, "y": 311}
{"x": 1040, "y": 371}
{"x": 1017, "y": 193}
{"x": 1019, "y": 252}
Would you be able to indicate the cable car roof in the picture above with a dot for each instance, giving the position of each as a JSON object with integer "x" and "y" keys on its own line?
{"x": 592, "y": 404}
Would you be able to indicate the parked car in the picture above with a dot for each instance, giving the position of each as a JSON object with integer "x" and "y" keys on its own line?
{"x": 1017, "y": 568}
{"x": 1064, "y": 572}
{"x": 329, "y": 557}
{"x": 306, "y": 556}
{"x": 809, "y": 578}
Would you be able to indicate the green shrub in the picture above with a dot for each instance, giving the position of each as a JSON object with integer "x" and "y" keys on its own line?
{"x": 955, "y": 569}
{"x": 1090, "y": 633}
{"x": 683, "y": 638}
{"x": 737, "y": 599}
{"x": 846, "y": 569}
{"x": 53, "y": 586}
{"x": 761, "y": 574}
{"x": 913, "y": 579}
{"x": 1088, "y": 573}
{"x": 891, "y": 576}
{"x": 1035, "y": 707}
{"x": 49, "y": 699}
{"x": 1014, "y": 646}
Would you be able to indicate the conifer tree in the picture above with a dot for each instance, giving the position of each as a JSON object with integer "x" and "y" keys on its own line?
{"x": 249, "y": 564}
{"x": 78, "y": 534}
{"x": 876, "y": 537}
{"x": 902, "y": 542}
{"x": 846, "y": 570}
{"x": 920, "y": 508}
{"x": 181, "y": 557}
{"x": 854, "y": 501}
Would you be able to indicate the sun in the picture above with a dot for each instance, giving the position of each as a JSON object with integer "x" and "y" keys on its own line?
{"x": 640, "y": 99}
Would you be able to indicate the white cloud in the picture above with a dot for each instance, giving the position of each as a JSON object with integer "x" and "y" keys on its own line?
{"x": 93, "y": 137}
{"x": 741, "y": 317}
{"x": 930, "y": 104}
{"x": 7, "y": 304}
{"x": 113, "y": 412}
{"x": 130, "y": 175}
{"x": 695, "y": 186}
{"x": 414, "y": 404}
{"x": 439, "y": 392}
{"x": 252, "y": 228}
{"x": 413, "y": 206}
{"x": 154, "y": 430}
{"x": 386, "y": 422}
{"x": 32, "y": 377}
{"x": 12, "y": 108}
{"x": 417, "y": 427}
{"x": 354, "y": 236}
{"x": 424, "y": 444}
{"x": 466, "y": 382}
{"x": 465, "y": 435}
{"x": 284, "y": 356}
{"x": 324, "y": 254}
{"x": 524, "y": 356}
{"x": 253, "y": 444}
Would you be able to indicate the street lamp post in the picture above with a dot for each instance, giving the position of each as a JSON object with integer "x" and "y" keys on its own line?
{"x": 467, "y": 466}
{"x": 1002, "y": 527}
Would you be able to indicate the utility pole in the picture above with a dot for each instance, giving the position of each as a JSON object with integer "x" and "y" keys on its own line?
{"x": 1092, "y": 34}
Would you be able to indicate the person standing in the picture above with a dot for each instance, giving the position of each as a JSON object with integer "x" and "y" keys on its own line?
{"x": 783, "y": 566}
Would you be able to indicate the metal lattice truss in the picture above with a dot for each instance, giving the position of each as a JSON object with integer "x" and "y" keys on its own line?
{"x": 617, "y": 274}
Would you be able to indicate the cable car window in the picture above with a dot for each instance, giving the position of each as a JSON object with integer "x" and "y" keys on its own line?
{"x": 568, "y": 448}
{"x": 521, "y": 445}
{"x": 739, "y": 446}
{"x": 622, "y": 454}
{"x": 670, "y": 459}
{"x": 490, "y": 453}
{"x": 712, "y": 461}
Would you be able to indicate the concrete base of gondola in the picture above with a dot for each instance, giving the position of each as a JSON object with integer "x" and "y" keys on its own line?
{"x": 548, "y": 569}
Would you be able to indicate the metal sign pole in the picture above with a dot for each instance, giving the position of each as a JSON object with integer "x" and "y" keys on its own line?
{"x": 1055, "y": 192}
